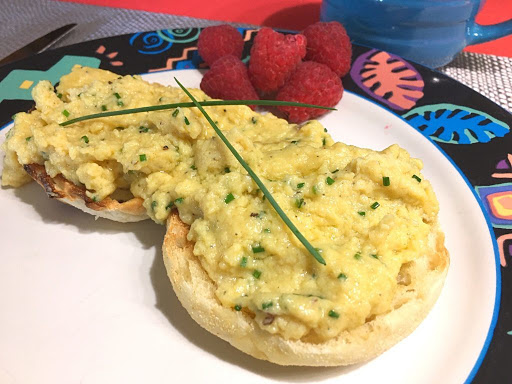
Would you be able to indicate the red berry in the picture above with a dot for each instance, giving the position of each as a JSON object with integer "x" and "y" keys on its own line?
{"x": 274, "y": 56}
{"x": 311, "y": 83}
{"x": 220, "y": 40}
{"x": 329, "y": 44}
{"x": 228, "y": 79}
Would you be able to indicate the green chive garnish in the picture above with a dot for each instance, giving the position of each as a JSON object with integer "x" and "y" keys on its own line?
{"x": 28, "y": 138}
{"x": 256, "y": 179}
{"x": 59, "y": 95}
{"x": 314, "y": 189}
{"x": 85, "y": 139}
{"x": 142, "y": 157}
{"x": 254, "y": 120}
{"x": 334, "y": 314}
{"x": 193, "y": 167}
{"x": 229, "y": 198}
{"x": 374, "y": 256}
{"x": 103, "y": 107}
{"x": 179, "y": 200}
{"x": 258, "y": 249}
{"x": 266, "y": 230}
{"x": 243, "y": 262}
{"x": 266, "y": 305}
{"x": 153, "y": 205}
{"x": 417, "y": 178}
{"x": 357, "y": 256}
{"x": 300, "y": 185}
{"x": 336, "y": 170}
{"x": 342, "y": 276}
{"x": 169, "y": 206}
{"x": 117, "y": 96}
{"x": 65, "y": 113}
{"x": 210, "y": 103}
{"x": 175, "y": 113}
{"x": 361, "y": 213}
{"x": 375, "y": 205}
{"x": 299, "y": 202}
{"x": 186, "y": 121}
{"x": 323, "y": 141}
{"x": 256, "y": 274}
{"x": 238, "y": 308}
{"x": 329, "y": 181}
{"x": 385, "y": 181}
{"x": 227, "y": 170}
{"x": 143, "y": 129}
{"x": 294, "y": 141}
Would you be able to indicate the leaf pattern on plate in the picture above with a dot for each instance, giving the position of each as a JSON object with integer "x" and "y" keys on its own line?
{"x": 388, "y": 78}
{"x": 455, "y": 124}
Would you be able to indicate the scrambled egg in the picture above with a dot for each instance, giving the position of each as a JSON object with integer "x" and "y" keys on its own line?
{"x": 368, "y": 212}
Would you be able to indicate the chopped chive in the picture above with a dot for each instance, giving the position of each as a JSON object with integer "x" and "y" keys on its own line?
{"x": 186, "y": 121}
{"x": 256, "y": 274}
{"x": 314, "y": 189}
{"x": 85, "y": 139}
{"x": 299, "y": 202}
{"x": 28, "y": 138}
{"x": 300, "y": 185}
{"x": 117, "y": 95}
{"x": 325, "y": 129}
{"x": 243, "y": 262}
{"x": 258, "y": 249}
{"x": 417, "y": 178}
{"x": 254, "y": 120}
{"x": 65, "y": 113}
{"x": 153, "y": 205}
{"x": 342, "y": 276}
{"x": 266, "y": 305}
{"x": 95, "y": 198}
{"x": 336, "y": 170}
{"x": 238, "y": 308}
{"x": 329, "y": 181}
{"x": 209, "y": 103}
{"x": 266, "y": 230}
{"x": 103, "y": 107}
{"x": 255, "y": 177}
{"x": 143, "y": 129}
{"x": 361, "y": 213}
{"x": 193, "y": 167}
{"x": 229, "y": 198}
{"x": 142, "y": 157}
{"x": 59, "y": 95}
{"x": 357, "y": 256}
{"x": 179, "y": 200}
{"x": 227, "y": 170}
{"x": 160, "y": 99}
{"x": 323, "y": 141}
{"x": 169, "y": 206}
{"x": 385, "y": 181}
{"x": 334, "y": 314}
{"x": 175, "y": 113}
{"x": 294, "y": 141}
{"x": 120, "y": 103}
{"x": 375, "y": 205}
{"x": 374, "y": 256}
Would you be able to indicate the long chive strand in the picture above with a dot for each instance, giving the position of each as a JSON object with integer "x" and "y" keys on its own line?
{"x": 211, "y": 103}
{"x": 257, "y": 180}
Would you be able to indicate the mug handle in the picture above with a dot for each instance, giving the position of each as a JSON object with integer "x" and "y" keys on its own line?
{"x": 477, "y": 33}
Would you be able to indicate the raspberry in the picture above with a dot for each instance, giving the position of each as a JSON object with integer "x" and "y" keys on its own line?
{"x": 220, "y": 40}
{"x": 274, "y": 56}
{"x": 228, "y": 79}
{"x": 329, "y": 44}
{"x": 311, "y": 83}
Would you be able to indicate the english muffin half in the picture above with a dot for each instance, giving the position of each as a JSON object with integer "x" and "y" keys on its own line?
{"x": 419, "y": 285}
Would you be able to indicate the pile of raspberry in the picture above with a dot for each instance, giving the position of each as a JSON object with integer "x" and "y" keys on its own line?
{"x": 305, "y": 67}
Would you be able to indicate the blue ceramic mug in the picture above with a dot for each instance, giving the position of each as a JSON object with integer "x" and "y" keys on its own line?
{"x": 430, "y": 32}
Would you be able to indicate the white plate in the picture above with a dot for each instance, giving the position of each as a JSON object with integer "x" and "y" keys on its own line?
{"x": 88, "y": 301}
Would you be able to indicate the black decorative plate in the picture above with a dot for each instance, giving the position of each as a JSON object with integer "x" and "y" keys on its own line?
{"x": 89, "y": 301}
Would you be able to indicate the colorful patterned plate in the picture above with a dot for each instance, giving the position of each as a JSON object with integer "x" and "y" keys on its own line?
{"x": 89, "y": 301}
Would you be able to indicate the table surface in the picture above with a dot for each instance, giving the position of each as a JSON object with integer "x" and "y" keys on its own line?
{"x": 292, "y": 14}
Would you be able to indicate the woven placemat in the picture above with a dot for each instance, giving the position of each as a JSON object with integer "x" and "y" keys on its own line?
{"x": 21, "y": 21}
